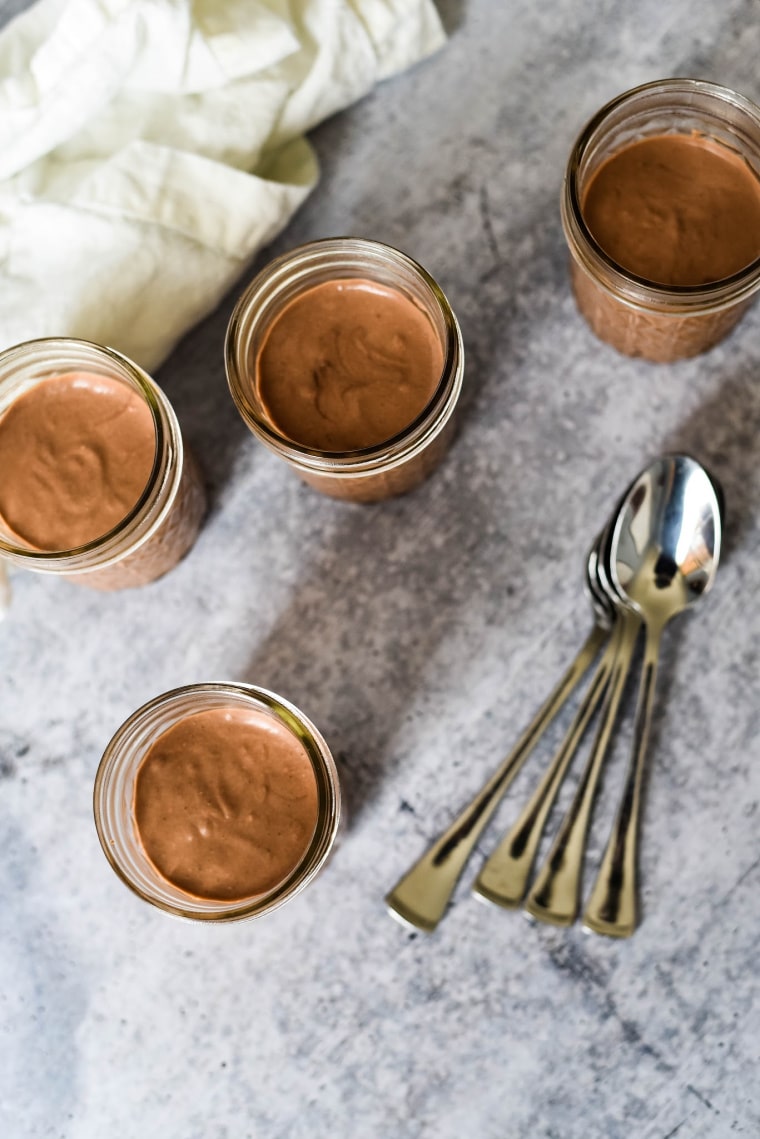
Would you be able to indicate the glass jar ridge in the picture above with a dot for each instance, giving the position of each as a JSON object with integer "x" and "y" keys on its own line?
{"x": 634, "y": 315}
{"x": 113, "y": 796}
{"x": 163, "y": 523}
{"x": 396, "y": 465}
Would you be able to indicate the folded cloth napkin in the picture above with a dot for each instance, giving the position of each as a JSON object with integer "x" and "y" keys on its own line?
{"x": 148, "y": 148}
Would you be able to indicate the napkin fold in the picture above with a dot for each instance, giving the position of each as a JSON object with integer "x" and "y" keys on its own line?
{"x": 149, "y": 148}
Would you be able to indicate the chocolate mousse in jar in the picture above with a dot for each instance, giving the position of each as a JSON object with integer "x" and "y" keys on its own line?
{"x": 217, "y": 802}
{"x": 345, "y": 358}
{"x": 96, "y": 483}
{"x": 661, "y": 212}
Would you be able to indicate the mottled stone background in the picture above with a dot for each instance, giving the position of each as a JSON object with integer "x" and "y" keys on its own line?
{"x": 420, "y": 635}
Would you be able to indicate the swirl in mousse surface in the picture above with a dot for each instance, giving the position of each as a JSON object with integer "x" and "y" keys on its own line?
{"x": 675, "y": 209}
{"x": 76, "y": 453}
{"x": 226, "y": 803}
{"x": 348, "y": 364}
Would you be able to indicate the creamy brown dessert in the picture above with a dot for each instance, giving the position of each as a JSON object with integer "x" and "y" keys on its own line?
{"x": 670, "y": 210}
{"x": 347, "y": 365}
{"x": 676, "y": 210}
{"x": 76, "y": 453}
{"x": 226, "y": 803}
{"x": 345, "y": 359}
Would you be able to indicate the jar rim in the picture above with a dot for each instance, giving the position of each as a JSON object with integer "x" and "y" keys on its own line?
{"x": 323, "y": 764}
{"x": 625, "y": 285}
{"x": 305, "y": 259}
{"x": 148, "y": 391}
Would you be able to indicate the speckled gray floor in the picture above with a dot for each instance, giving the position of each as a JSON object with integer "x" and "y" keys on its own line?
{"x": 420, "y": 635}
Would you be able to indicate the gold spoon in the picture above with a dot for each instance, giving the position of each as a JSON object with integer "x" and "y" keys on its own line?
{"x": 663, "y": 558}
{"x": 422, "y": 895}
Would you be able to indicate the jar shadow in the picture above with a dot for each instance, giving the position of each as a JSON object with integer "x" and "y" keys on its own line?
{"x": 516, "y": 271}
{"x": 452, "y": 14}
{"x": 356, "y": 647}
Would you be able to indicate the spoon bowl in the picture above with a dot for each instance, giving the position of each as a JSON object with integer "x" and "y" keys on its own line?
{"x": 662, "y": 557}
{"x": 602, "y": 602}
{"x": 665, "y": 545}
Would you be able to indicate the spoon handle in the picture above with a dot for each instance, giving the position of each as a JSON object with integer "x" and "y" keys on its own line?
{"x": 611, "y": 909}
{"x": 422, "y": 895}
{"x": 504, "y": 876}
{"x": 554, "y": 895}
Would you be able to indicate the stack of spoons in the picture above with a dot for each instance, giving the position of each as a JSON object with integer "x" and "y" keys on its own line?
{"x": 657, "y": 555}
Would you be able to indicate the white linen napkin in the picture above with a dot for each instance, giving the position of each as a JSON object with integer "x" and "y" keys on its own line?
{"x": 148, "y": 148}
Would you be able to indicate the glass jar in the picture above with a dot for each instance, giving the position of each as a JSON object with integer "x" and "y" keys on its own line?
{"x": 636, "y": 316}
{"x": 391, "y": 467}
{"x": 164, "y": 522}
{"x": 114, "y": 796}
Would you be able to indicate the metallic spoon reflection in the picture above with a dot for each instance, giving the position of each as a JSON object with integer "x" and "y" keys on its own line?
{"x": 663, "y": 557}
{"x": 554, "y": 896}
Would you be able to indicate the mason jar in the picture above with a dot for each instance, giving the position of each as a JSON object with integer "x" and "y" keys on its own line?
{"x": 114, "y": 794}
{"x": 634, "y": 315}
{"x": 395, "y": 465}
{"x": 164, "y": 522}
